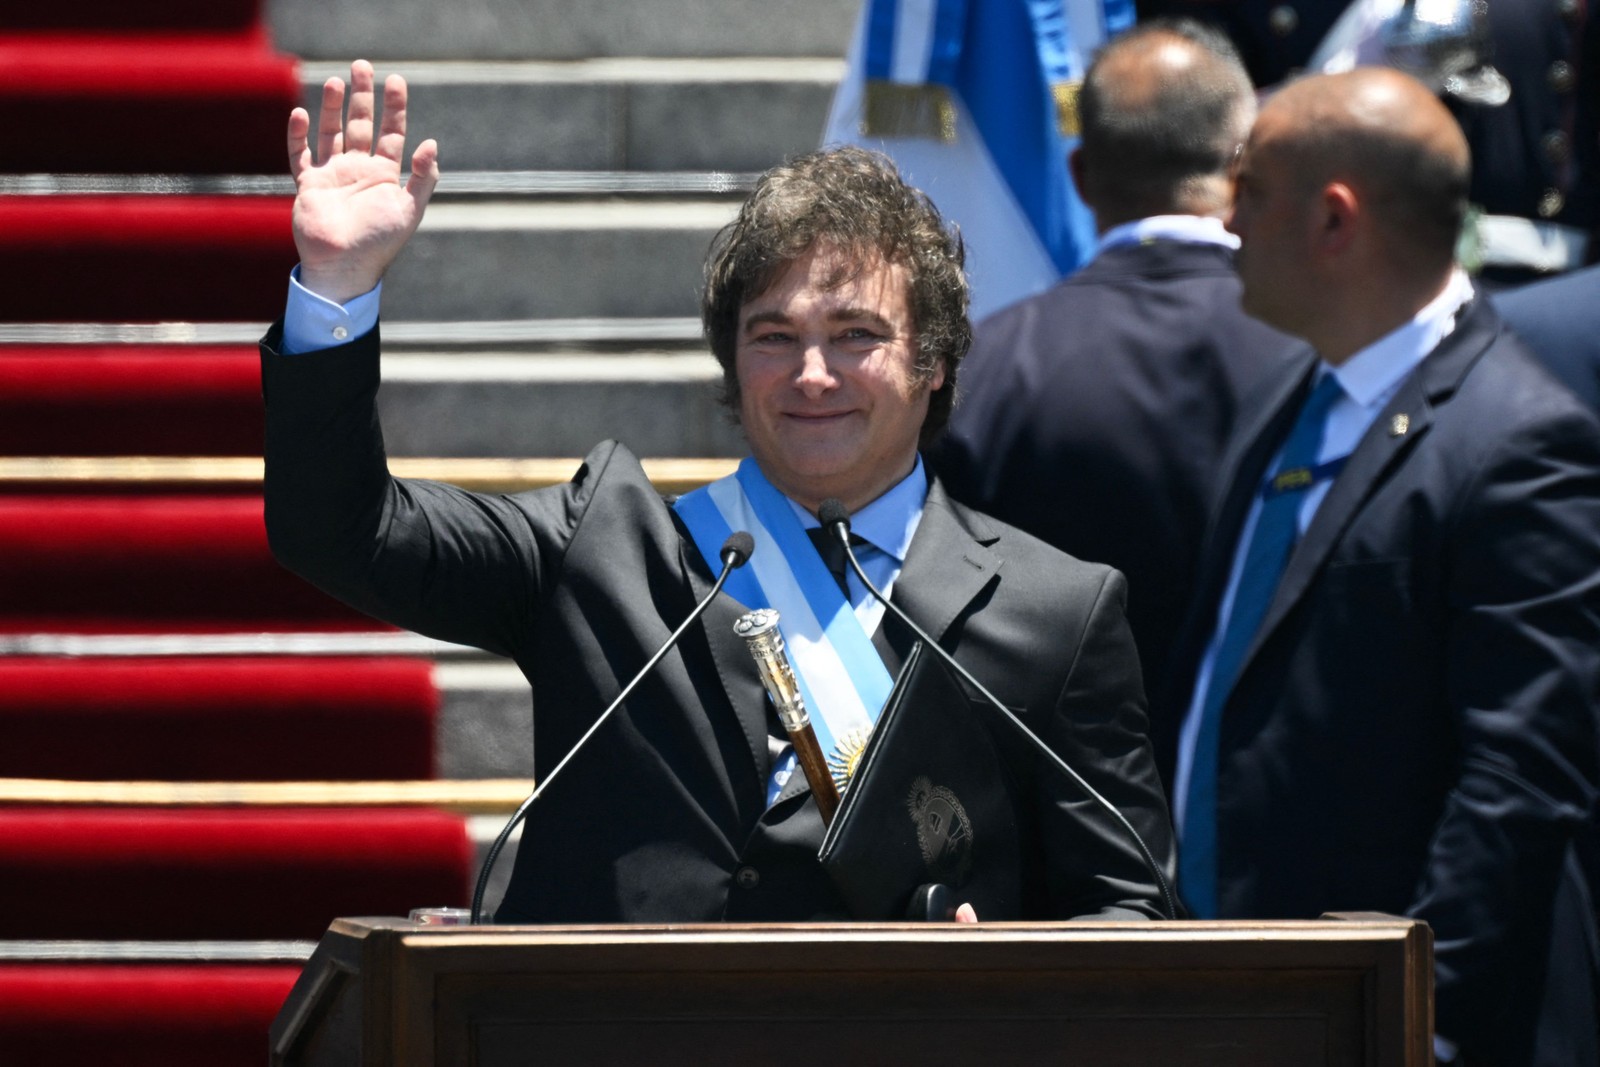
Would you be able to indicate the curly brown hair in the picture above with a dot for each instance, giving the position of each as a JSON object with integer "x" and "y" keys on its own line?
{"x": 854, "y": 200}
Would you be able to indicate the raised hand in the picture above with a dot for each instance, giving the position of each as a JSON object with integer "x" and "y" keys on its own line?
{"x": 351, "y": 214}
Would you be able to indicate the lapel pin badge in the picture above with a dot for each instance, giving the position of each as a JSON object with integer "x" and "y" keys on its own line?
{"x": 1399, "y": 425}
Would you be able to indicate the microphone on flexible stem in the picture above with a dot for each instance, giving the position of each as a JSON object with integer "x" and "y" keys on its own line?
{"x": 735, "y": 553}
{"x": 835, "y": 518}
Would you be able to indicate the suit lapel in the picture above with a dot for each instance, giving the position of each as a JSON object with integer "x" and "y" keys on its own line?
{"x": 1376, "y": 453}
{"x": 947, "y": 566}
{"x": 736, "y": 669}
{"x": 1404, "y": 421}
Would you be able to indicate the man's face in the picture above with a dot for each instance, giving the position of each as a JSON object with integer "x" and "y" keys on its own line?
{"x": 1272, "y": 218}
{"x": 828, "y": 397}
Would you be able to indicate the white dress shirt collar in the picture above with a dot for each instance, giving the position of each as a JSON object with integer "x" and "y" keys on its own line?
{"x": 1372, "y": 374}
{"x": 1195, "y": 229}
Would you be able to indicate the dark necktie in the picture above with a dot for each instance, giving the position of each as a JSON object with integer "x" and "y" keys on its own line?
{"x": 1275, "y": 532}
{"x": 831, "y": 549}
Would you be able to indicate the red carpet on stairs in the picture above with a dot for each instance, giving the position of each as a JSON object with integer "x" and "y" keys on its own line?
{"x": 217, "y": 719}
{"x": 144, "y": 258}
{"x": 180, "y": 86}
{"x": 83, "y": 16}
{"x": 74, "y": 564}
{"x": 118, "y": 400}
{"x": 222, "y": 873}
{"x": 139, "y": 1015}
{"x": 76, "y": 103}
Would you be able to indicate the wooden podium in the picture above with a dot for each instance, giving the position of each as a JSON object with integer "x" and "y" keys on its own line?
{"x": 1351, "y": 989}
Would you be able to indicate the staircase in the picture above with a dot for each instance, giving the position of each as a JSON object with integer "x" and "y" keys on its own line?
{"x": 207, "y": 760}
{"x": 587, "y": 163}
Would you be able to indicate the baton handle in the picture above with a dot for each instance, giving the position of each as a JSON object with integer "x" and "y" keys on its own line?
{"x": 760, "y": 632}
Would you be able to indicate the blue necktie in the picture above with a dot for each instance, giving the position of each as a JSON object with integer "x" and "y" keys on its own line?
{"x": 1277, "y": 527}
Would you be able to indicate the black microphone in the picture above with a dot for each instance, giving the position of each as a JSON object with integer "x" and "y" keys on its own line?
{"x": 735, "y": 553}
{"x": 835, "y": 518}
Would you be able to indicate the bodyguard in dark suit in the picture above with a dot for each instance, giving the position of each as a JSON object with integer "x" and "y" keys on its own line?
{"x": 837, "y": 306}
{"x": 1094, "y": 415}
{"x": 1397, "y": 648}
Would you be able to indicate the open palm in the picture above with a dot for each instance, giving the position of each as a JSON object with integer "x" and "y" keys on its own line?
{"x": 352, "y": 215}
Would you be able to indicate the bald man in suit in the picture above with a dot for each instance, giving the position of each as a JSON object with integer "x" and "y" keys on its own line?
{"x": 1395, "y": 656}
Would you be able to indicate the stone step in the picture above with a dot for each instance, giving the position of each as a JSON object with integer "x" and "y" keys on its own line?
{"x": 611, "y": 114}
{"x": 559, "y": 29}
{"x": 485, "y": 724}
{"x": 529, "y": 325}
{"x": 538, "y": 255}
{"x": 599, "y": 334}
{"x": 554, "y": 404}
{"x": 550, "y": 388}
{"x": 483, "y": 256}
{"x": 533, "y": 259}
{"x": 462, "y": 184}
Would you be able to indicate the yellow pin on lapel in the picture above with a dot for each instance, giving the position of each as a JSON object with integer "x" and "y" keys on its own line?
{"x": 1399, "y": 425}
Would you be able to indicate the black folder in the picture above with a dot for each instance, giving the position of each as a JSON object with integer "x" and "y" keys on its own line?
{"x": 929, "y": 803}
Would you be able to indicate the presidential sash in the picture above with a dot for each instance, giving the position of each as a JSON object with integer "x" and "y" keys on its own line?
{"x": 842, "y": 678}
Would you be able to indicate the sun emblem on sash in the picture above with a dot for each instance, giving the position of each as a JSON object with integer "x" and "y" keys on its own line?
{"x": 846, "y": 755}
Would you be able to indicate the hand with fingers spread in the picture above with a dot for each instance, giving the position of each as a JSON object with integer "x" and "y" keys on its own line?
{"x": 352, "y": 215}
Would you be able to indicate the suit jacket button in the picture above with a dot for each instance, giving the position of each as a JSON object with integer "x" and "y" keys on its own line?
{"x": 1557, "y": 148}
{"x": 1283, "y": 20}
{"x": 747, "y": 877}
{"x": 1562, "y": 76}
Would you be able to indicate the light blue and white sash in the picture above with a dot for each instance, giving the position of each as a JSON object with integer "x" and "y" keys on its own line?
{"x": 841, "y": 676}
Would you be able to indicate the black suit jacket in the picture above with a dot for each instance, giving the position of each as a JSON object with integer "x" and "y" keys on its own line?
{"x": 1414, "y": 728}
{"x": 663, "y": 816}
{"x": 1094, "y": 416}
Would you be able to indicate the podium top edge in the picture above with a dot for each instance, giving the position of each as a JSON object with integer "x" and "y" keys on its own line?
{"x": 1361, "y": 926}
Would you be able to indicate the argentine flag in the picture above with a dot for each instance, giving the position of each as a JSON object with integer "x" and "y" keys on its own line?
{"x": 976, "y": 101}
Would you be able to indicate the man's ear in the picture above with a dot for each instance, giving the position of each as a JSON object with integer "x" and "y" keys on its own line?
{"x": 1339, "y": 213}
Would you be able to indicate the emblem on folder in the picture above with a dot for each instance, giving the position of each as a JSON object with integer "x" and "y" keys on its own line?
{"x": 944, "y": 833}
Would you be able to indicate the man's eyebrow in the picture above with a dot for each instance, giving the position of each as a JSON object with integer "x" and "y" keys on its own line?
{"x": 846, "y": 314}
{"x": 765, "y": 318}
{"x": 852, "y": 313}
